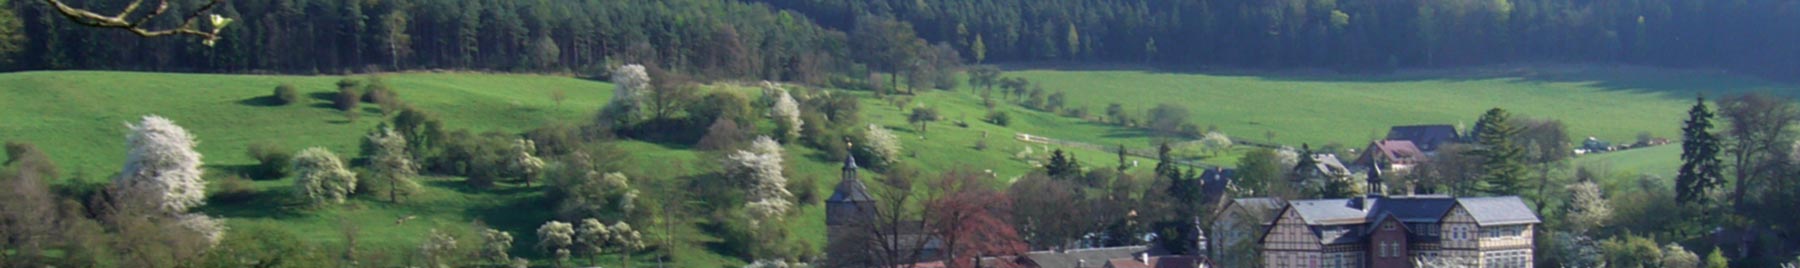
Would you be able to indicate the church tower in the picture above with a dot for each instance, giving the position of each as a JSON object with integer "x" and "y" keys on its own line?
{"x": 1376, "y": 187}
{"x": 850, "y": 204}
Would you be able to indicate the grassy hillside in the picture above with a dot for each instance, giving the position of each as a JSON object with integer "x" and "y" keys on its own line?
{"x": 79, "y": 119}
{"x": 1611, "y": 104}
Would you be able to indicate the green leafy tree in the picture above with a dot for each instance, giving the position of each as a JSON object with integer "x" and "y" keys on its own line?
{"x": 1700, "y": 166}
{"x": 321, "y": 177}
{"x": 12, "y": 39}
{"x": 1502, "y": 166}
{"x": 922, "y": 116}
{"x": 1257, "y": 169}
{"x": 1717, "y": 259}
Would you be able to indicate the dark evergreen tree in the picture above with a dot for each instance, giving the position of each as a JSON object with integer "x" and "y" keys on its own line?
{"x": 1124, "y": 163}
{"x": 1502, "y": 164}
{"x": 1062, "y": 165}
{"x": 1700, "y": 166}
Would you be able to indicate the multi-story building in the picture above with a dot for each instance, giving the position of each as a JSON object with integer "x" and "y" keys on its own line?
{"x": 1400, "y": 231}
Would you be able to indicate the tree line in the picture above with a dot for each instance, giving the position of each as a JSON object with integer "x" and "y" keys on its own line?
{"x": 711, "y": 38}
{"x": 1347, "y": 34}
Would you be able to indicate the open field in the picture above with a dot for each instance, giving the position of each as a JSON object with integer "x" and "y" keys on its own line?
{"x": 79, "y": 119}
{"x": 1611, "y": 104}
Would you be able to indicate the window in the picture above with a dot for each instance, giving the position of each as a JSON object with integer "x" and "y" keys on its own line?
{"x": 1388, "y": 226}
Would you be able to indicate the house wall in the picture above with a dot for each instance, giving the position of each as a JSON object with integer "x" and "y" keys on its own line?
{"x": 1460, "y": 236}
{"x": 1291, "y": 243}
{"x": 1507, "y": 246}
{"x": 1387, "y": 245}
{"x": 1234, "y": 237}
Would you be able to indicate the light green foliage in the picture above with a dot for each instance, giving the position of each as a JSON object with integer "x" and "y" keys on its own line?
{"x": 597, "y": 194}
{"x": 1675, "y": 256}
{"x": 1717, "y": 259}
{"x": 1631, "y": 251}
{"x": 320, "y": 177}
{"x": 392, "y": 164}
{"x": 1216, "y": 142}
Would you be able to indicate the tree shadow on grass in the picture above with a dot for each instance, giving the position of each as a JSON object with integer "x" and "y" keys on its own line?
{"x": 499, "y": 188}
{"x": 520, "y": 218}
{"x": 261, "y": 101}
{"x": 275, "y": 203}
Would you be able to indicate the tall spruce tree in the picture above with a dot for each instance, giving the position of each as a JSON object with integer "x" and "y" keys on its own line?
{"x": 1062, "y": 165}
{"x": 1165, "y": 164}
{"x": 1700, "y": 166}
{"x": 1502, "y": 163}
{"x": 1123, "y": 165}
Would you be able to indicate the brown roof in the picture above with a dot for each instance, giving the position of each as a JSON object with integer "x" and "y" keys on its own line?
{"x": 1156, "y": 262}
{"x": 1400, "y": 150}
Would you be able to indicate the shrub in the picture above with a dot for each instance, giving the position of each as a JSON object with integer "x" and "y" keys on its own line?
{"x": 271, "y": 159}
{"x": 375, "y": 90}
{"x": 346, "y": 100}
{"x": 999, "y": 118}
{"x": 286, "y": 94}
{"x": 233, "y": 189}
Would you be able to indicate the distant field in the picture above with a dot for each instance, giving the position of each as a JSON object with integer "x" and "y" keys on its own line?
{"x": 1609, "y": 103}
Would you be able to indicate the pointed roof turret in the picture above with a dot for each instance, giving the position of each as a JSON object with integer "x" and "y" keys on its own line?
{"x": 850, "y": 189}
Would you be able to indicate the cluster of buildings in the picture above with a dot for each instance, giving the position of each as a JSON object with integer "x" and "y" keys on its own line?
{"x": 1376, "y": 230}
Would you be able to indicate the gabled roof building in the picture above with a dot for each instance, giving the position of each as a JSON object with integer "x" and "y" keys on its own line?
{"x": 1426, "y": 137}
{"x": 1399, "y": 231}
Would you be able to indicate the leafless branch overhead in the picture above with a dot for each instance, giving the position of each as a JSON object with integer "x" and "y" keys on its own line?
{"x": 123, "y": 20}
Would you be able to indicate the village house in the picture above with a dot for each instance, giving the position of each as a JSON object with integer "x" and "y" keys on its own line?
{"x": 1393, "y": 155}
{"x": 1428, "y": 138}
{"x": 1382, "y": 231}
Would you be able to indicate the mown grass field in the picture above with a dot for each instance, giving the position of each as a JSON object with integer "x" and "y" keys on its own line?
{"x": 79, "y": 118}
{"x": 1609, "y": 103}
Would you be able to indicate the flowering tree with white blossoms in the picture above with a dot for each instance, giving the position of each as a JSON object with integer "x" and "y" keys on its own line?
{"x": 162, "y": 170}
{"x": 321, "y": 176}
{"x": 631, "y": 82}
{"x": 522, "y": 162}
{"x": 555, "y": 237}
{"x": 883, "y": 144}
{"x": 759, "y": 170}
{"x": 786, "y": 112}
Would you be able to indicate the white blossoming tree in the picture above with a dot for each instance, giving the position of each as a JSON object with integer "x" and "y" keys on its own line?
{"x": 554, "y": 238}
{"x": 631, "y": 82}
{"x": 597, "y": 194}
{"x": 591, "y": 236}
{"x": 786, "y": 112}
{"x": 1216, "y": 142}
{"x": 624, "y": 240}
{"x": 162, "y": 170}
{"x": 495, "y": 244}
{"x": 162, "y": 177}
{"x": 759, "y": 169}
{"x": 1588, "y": 210}
{"x": 883, "y": 144}
{"x": 438, "y": 249}
{"x": 522, "y": 162}
{"x": 321, "y": 177}
{"x": 392, "y": 164}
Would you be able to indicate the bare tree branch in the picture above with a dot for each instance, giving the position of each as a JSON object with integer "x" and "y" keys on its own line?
{"x": 123, "y": 19}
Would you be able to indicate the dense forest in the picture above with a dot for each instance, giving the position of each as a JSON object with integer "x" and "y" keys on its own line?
{"x": 711, "y": 37}
{"x": 800, "y": 40}
{"x": 1740, "y": 35}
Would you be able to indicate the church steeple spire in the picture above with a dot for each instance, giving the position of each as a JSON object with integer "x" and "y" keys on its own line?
{"x": 851, "y": 202}
{"x": 1376, "y": 188}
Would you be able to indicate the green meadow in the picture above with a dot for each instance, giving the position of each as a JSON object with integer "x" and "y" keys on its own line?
{"x": 80, "y": 117}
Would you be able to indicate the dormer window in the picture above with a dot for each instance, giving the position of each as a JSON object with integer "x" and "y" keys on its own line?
{"x": 1389, "y": 226}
